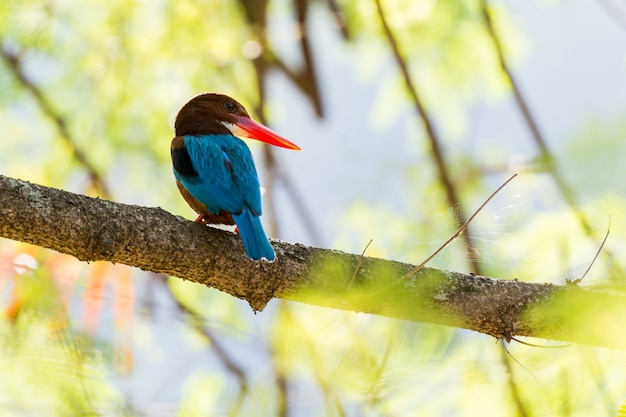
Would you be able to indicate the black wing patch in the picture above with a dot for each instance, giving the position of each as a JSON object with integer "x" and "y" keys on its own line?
{"x": 181, "y": 159}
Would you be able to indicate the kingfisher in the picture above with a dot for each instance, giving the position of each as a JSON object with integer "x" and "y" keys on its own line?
{"x": 214, "y": 168}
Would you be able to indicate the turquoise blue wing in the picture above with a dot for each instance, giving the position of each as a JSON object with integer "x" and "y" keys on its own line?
{"x": 225, "y": 176}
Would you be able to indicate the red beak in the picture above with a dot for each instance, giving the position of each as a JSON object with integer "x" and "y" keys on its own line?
{"x": 248, "y": 128}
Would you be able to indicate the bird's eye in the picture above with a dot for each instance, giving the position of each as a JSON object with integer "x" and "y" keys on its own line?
{"x": 230, "y": 106}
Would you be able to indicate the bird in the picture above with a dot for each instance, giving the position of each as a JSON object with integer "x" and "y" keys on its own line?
{"x": 214, "y": 168}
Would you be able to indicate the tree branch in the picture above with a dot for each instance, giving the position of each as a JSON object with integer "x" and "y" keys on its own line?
{"x": 152, "y": 239}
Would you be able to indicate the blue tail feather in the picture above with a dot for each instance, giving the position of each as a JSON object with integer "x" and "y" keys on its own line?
{"x": 254, "y": 239}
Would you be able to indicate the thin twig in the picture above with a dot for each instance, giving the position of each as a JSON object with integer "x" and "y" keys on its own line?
{"x": 358, "y": 264}
{"x": 457, "y": 233}
{"x": 606, "y": 236}
{"x": 431, "y": 133}
{"x": 538, "y": 346}
{"x": 503, "y": 342}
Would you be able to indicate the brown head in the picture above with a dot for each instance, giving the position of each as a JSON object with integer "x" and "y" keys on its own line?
{"x": 218, "y": 114}
{"x": 207, "y": 114}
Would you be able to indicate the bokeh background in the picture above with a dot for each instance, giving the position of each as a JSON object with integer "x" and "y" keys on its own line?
{"x": 409, "y": 113}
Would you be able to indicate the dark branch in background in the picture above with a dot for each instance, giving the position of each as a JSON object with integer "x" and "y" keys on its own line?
{"x": 331, "y": 401}
{"x": 13, "y": 63}
{"x": 547, "y": 158}
{"x": 282, "y": 385}
{"x": 340, "y": 19}
{"x": 309, "y": 74}
{"x": 152, "y": 239}
{"x": 615, "y": 11}
{"x": 197, "y": 322}
{"x": 512, "y": 385}
{"x": 256, "y": 14}
{"x": 304, "y": 77}
{"x": 431, "y": 133}
{"x": 517, "y": 92}
{"x": 306, "y": 80}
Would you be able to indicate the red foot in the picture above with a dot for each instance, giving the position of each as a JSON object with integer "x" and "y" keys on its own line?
{"x": 202, "y": 219}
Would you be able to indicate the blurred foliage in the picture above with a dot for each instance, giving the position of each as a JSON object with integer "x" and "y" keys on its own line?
{"x": 88, "y": 340}
{"x": 49, "y": 366}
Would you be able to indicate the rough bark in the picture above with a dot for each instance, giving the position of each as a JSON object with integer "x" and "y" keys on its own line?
{"x": 152, "y": 239}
